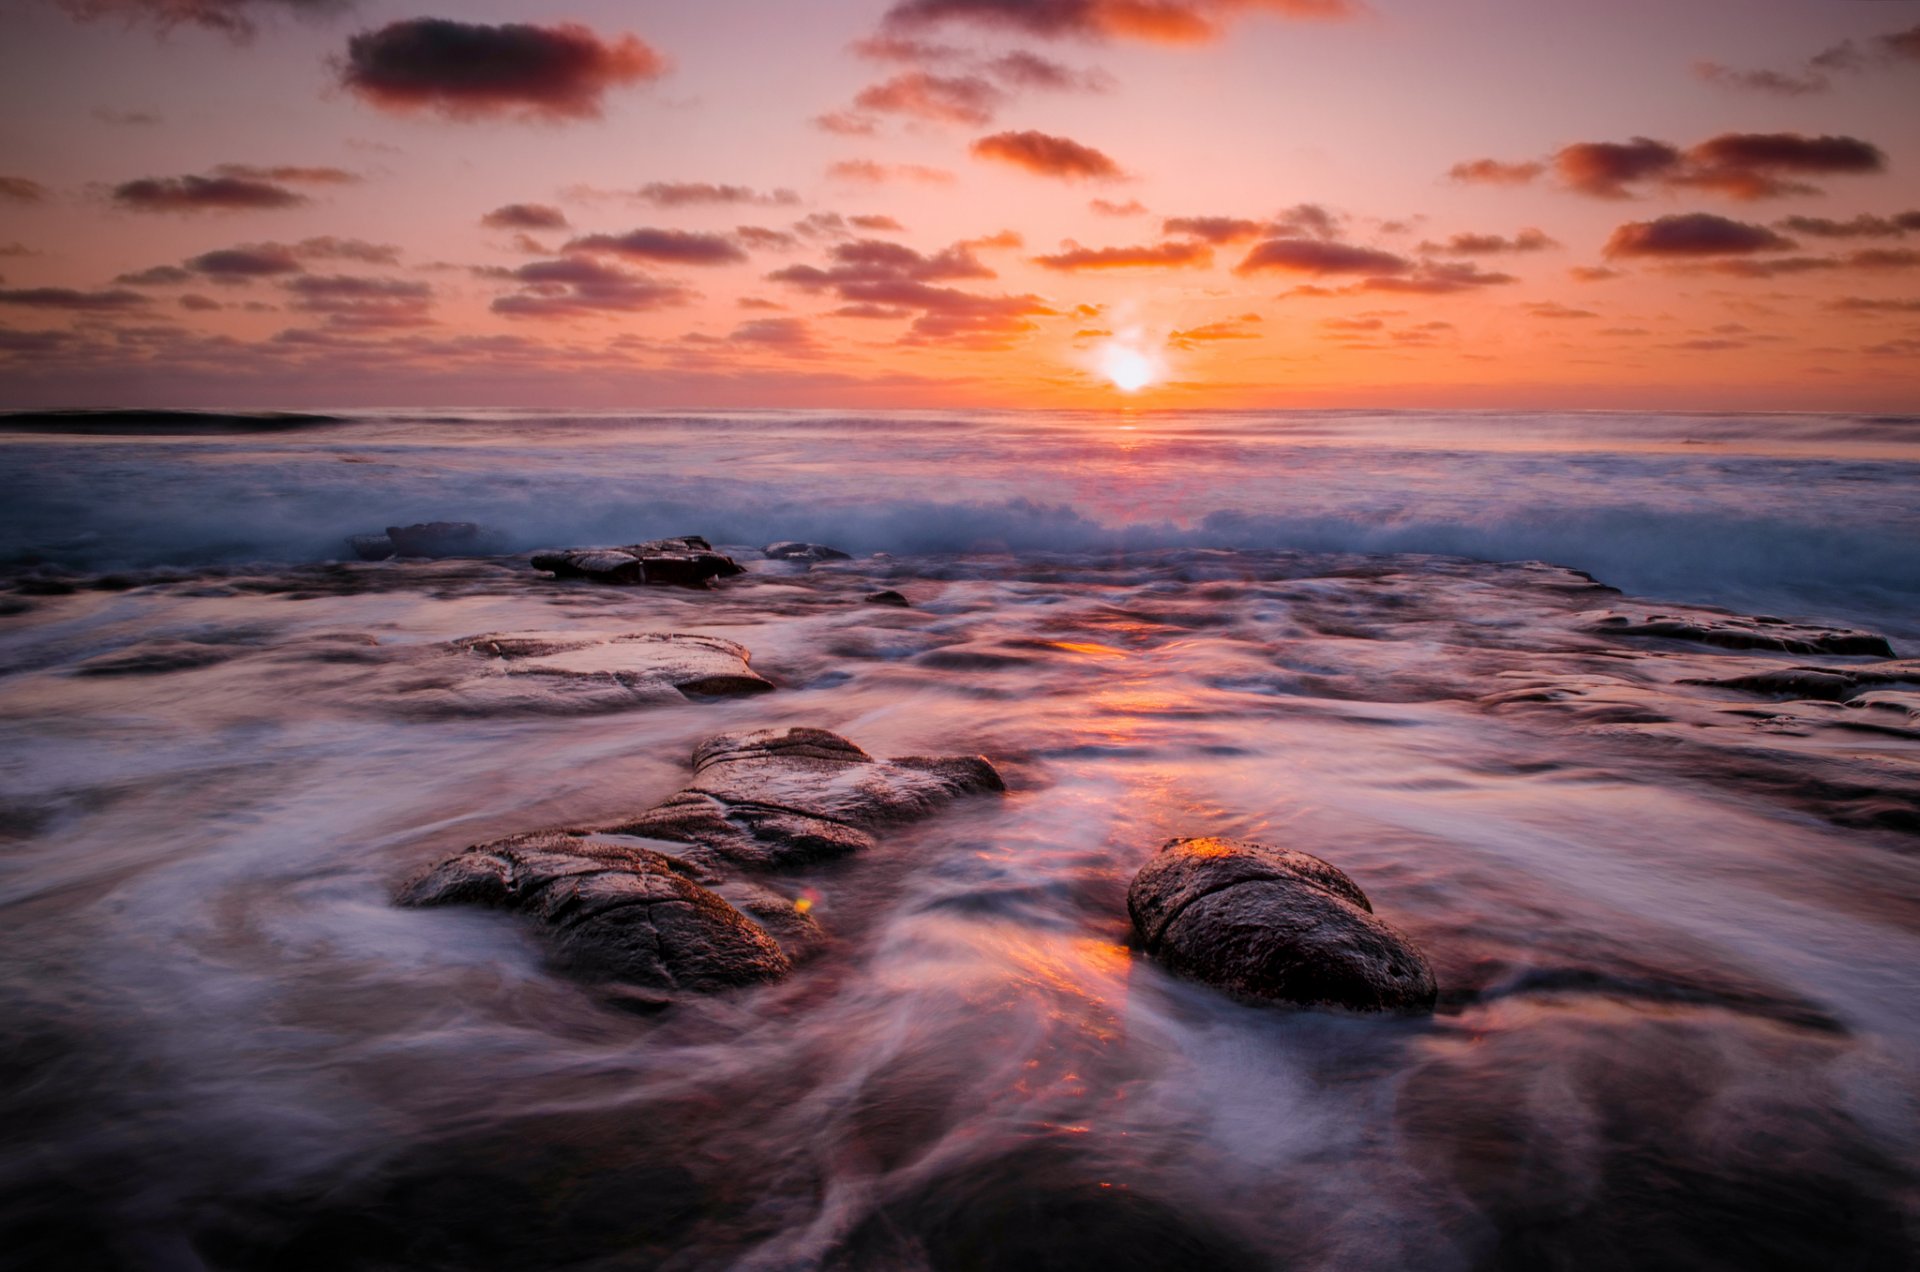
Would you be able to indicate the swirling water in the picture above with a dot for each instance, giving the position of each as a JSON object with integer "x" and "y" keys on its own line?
{"x": 1675, "y": 935}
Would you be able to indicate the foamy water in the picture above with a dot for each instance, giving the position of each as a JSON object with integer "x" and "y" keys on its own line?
{"x": 1679, "y": 1022}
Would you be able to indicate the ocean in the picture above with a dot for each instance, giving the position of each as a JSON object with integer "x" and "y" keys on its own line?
{"x": 1674, "y": 921}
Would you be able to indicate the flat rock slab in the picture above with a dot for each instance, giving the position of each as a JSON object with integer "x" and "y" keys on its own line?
{"x": 613, "y": 912}
{"x": 785, "y": 797}
{"x": 621, "y": 909}
{"x": 1273, "y": 924}
{"x": 1735, "y": 631}
{"x": 547, "y": 673}
{"x": 686, "y": 561}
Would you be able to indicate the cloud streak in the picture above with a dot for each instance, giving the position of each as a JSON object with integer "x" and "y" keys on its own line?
{"x": 1048, "y": 156}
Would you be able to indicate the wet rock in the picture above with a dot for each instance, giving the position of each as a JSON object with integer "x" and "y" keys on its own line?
{"x": 621, "y": 911}
{"x": 791, "y": 551}
{"x": 556, "y": 673}
{"x": 786, "y": 797}
{"x": 431, "y": 539}
{"x": 1274, "y": 924}
{"x": 616, "y": 912}
{"x": 686, "y": 561}
{"x": 1821, "y": 684}
{"x": 1734, "y": 631}
{"x": 888, "y": 597}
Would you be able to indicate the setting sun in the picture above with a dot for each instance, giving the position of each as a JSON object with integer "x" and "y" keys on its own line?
{"x": 1129, "y": 369}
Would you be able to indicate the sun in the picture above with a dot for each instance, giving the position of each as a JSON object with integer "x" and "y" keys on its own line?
{"x": 1129, "y": 369}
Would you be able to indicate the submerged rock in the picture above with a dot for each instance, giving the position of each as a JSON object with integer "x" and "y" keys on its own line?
{"x": 431, "y": 539}
{"x": 792, "y": 551}
{"x": 623, "y": 911}
{"x": 686, "y": 561}
{"x": 784, "y": 797}
{"x": 552, "y": 673}
{"x": 616, "y": 912}
{"x": 1274, "y": 924}
{"x": 888, "y": 597}
{"x": 1735, "y": 631}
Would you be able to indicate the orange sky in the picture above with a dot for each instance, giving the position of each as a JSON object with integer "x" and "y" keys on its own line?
{"x": 929, "y": 203}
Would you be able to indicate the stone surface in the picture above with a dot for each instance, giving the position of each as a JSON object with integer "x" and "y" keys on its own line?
{"x": 614, "y": 912}
{"x": 1736, "y": 631}
{"x": 555, "y": 673}
{"x": 1823, "y": 684}
{"x": 686, "y": 561}
{"x": 888, "y": 597}
{"x": 784, "y": 797}
{"x": 1273, "y": 924}
{"x": 793, "y": 551}
{"x": 620, "y": 909}
{"x": 432, "y": 539}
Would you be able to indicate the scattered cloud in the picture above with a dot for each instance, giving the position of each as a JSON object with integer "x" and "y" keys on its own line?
{"x": 876, "y": 223}
{"x": 1865, "y": 225}
{"x": 1237, "y": 328}
{"x": 1107, "y": 207}
{"x": 579, "y": 286}
{"x": 676, "y": 247}
{"x": 264, "y": 260}
{"x": 353, "y": 302}
{"x": 1182, "y": 253}
{"x": 681, "y": 194}
{"x": 873, "y": 173}
{"x": 1215, "y": 229}
{"x": 1319, "y": 257}
{"x": 1527, "y": 240}
{"x": 525, "y": 216}
{"x": 1559, "y": 312}
{"x": 1874, "y": 305}
{"x": 874, "y": 276}
{"x": 1693, "y": 234}
{"x": 1159, "y": 21}
{"x": 1594, "y": 273}
{"x": 1778, "y": 83}
{"x": 204, "y": 194}
{"x": 946, "y": 99}
{"x": 1816, "y": 74}
{"x": 1048, "y": 156}
{"x": 21, "y": 190}
{"x": 236, "y": 18}
{"x": 467, "y": 71}
{"x": 68, "y": 298}
{"x": 1494, "y": 172}
{"x": 1025, "y": 69}
{"x": 292, "y": 174}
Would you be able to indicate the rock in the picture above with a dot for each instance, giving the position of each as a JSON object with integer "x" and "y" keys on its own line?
{"x": 1821, "y": 684}
{"x": 888, "y": 597}
{"x": 1734, "y": 631}
{"x": 558, "y": 673}
{"x": 1273, "y": 924}
{"x": 425, "y": 539}
{"x": 786, "y": 797}
{"x": 622, "y": 911}
{"x": 687, "y": 561}
{"x": 616, "y": 912}
{"x": 790, "y": 551}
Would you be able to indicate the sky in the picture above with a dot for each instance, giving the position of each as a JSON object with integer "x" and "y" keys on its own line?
{"x": 1160, "y": 204}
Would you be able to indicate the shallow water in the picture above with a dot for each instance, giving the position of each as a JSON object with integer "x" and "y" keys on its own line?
{"x": 1675, "y": 926}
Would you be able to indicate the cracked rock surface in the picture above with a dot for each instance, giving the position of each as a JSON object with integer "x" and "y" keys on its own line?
{"x": 629, "y": 912}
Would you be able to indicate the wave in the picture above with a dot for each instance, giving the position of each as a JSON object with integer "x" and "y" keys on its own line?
{"x": 160, "y": 423}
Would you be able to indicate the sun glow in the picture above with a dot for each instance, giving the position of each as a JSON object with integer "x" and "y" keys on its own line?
{"x": 1129, "y": 369}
